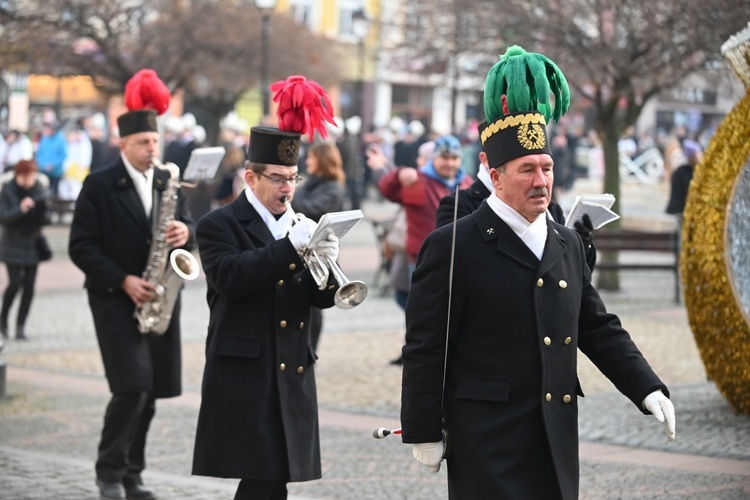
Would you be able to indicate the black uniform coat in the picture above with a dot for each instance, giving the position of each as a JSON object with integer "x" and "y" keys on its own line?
{"x": 511, "y": 383}
{"x": 469, "y": 200}
{"x": 259, "y": 415}
{"x": 110, "y": 238}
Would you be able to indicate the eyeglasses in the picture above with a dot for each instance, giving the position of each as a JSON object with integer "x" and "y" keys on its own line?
{"x": 279, "y": 181}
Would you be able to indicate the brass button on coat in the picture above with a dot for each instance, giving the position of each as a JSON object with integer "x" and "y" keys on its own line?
{"x": 539, "y": 282}
{"x": 282, "y": 323}
{"x": 547, "y": 341}
{"x": 292, "y": 266}
{"x": 282, "y": 367}
{"x": 301, "y": 325}
{"x": 548, "y": 397}
{"x": 563, "y": 284}
{"x": 281, "y": 282}
{"x": 566, "y": 398}
{"x": 300, "y": 369}
{"x": 567, "y": 340}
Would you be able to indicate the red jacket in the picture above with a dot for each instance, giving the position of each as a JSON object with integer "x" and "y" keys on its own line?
{"x": 420, "y": 201}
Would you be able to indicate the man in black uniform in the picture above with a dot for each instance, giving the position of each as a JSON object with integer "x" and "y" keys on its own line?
{"x": 117, "y": 215}
{"x": 502, "y": 381}
{"x": 258, "y": 419}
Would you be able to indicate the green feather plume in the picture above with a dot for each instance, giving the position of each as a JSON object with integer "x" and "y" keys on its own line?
{"x": 526, "y": 79}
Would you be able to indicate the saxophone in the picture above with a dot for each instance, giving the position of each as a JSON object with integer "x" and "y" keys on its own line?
{"x": 165, "y": 269}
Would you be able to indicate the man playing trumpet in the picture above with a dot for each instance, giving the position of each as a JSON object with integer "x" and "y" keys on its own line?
{"x": 259, "y": 418}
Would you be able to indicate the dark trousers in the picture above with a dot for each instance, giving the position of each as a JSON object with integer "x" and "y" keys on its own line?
{"x": 122, "y": 447}
{"x": 18, "y": 277}
{"x": 252, "y": 489}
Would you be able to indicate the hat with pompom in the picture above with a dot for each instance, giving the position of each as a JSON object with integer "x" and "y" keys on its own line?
{"x": 517, "y": 105}
{"x": 303, "y": 108}
{"x": 146, "y": 96}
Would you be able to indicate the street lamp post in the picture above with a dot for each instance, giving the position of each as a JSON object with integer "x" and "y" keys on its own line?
{"x": 360, "y": 29}
{"x": 266, "y": 8}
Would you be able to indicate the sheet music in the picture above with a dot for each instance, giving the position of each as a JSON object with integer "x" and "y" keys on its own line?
{"x": 203, "y": 163}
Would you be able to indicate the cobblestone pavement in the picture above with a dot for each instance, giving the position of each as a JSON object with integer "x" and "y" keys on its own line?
{"x": 51, "y": 417}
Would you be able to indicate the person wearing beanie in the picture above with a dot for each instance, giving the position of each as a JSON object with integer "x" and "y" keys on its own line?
{"x": 258, "y": 420}
{"x": 419, "y": 191}
{"x": 500, "y": 303}
{"x": 23, "y": 212}
{"x": 117, "y": 215}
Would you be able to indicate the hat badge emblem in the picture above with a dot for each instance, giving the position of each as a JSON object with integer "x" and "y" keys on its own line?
{"x": 531, "y": 136}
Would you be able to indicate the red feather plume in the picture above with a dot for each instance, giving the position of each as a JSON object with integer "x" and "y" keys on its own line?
{"x": 304, "y": 106}
{"x": 146, "y": 91}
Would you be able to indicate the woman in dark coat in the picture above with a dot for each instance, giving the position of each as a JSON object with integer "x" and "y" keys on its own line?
{"x": 23, "y": 212}
{"x": 322, "y": 192}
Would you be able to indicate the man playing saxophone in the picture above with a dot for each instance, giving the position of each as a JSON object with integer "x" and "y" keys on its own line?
{"x": 115, "y": 220}
{"x": 258, "y": 419}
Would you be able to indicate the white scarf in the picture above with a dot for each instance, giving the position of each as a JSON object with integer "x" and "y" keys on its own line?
{"x": 279, "y": 228}
{"x": 484, "y": 176}
{"x": 533, "y": 234}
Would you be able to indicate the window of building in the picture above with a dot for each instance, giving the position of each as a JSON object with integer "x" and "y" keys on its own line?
{"x": 303, "y": 12}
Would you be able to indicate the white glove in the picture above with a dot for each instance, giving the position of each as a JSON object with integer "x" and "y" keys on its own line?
{"x": 328, "y": 247}
{"x": 301, "y": 232}
{"x": 429, "y": 454}
{"x": 661, "y": 407}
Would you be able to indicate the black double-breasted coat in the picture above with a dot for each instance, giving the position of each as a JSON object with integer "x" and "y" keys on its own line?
{"x": 110, "y": 238}
{"x": 259, "y": 416}
{"x": 511, "y": 382}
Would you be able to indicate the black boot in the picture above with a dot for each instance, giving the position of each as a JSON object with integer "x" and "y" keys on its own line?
{"x": 4, "y": 326}
{"x": 21, "y": 333}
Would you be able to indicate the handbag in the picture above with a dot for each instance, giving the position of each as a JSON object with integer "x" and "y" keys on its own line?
{"x": 43, "y": 249}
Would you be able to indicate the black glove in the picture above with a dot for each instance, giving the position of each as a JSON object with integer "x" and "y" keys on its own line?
{"x": 585, "y": 229}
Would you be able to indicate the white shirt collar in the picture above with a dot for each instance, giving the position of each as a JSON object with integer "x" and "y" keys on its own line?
{"x": 279, "y": 228}
{"x": 534, "y": 234}
{"x": 143, "y": 182}
{"x": 484, "y": 176}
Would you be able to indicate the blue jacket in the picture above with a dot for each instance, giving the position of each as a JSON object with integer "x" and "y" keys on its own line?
{"x": 51, "y": 154}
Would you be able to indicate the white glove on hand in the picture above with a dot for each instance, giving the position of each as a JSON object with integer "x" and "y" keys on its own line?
{"x": 661, "y": 407}
{"x": 328, "y": 247}
{"x": 301, "y": 232}
{"x": 429, "y": 454}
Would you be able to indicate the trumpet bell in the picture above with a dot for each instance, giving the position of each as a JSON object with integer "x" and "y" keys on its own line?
{"x": 350, "y": 295}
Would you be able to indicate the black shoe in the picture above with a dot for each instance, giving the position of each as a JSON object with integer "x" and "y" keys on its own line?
{"x": 21, "y": 333}
{"x": 397, "y": 361}
{"x": 139, "y": 492}
{"x": 110, "y": 491}
{"x": 4, "y": 330}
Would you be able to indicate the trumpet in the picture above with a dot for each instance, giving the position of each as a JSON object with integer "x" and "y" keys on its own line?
{"x": 350, "y": 293}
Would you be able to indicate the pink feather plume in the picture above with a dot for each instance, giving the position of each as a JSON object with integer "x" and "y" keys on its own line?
{"x": 303, "y": 106}
{"x": 146, "y": 91}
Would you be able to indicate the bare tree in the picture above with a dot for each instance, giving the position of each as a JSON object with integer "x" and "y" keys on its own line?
{"x": 616, "y": 53}
{"x": 619, "y": 54}
{"x": 209, "y": 49}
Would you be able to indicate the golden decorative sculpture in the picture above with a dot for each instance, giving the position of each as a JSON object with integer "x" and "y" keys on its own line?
{"x": 715, "y": 239}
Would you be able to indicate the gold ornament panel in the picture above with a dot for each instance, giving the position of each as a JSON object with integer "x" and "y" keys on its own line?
{"x": 716, "y": 317}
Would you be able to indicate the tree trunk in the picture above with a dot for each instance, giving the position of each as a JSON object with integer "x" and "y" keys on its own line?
{"x": 610, "y": 279}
